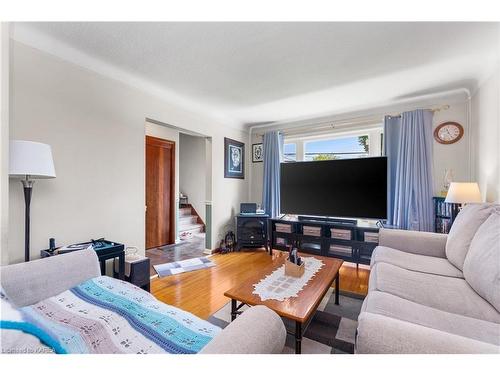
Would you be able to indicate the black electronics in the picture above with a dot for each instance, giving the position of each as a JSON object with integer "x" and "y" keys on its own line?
{"x": 355, "y": 188}
{"x": 52, "y": 244}
{"x": 323, "y": 219}
{"x": 248, "y": 208}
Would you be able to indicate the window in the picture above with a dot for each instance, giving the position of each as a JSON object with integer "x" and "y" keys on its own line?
{"x": 290, "y": 152}
{"x": 358, "y": 143}
{"x": 349, "y": 147}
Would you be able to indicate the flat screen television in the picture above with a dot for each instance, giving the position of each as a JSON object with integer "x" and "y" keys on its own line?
{"x": 354, "y": 188}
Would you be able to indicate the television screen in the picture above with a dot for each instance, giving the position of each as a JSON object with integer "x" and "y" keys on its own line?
{"x": 355, "y": 188}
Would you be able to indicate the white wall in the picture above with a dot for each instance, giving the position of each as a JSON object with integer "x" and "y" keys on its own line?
{"x": 192, "y": 171}
{"x": 4, "y": 141}
{"x": 257, "y": 175}
{"x": 486, "y": 122}
{"x": 455, "y": 156}
{"x": 95, "y": 126}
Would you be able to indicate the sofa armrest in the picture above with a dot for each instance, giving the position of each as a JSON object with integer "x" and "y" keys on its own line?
{"x": 31, "y": 282}
{"x": 421, "y": 243}
{"x": 378, "y": 334}
{"x": 259, "y": 330}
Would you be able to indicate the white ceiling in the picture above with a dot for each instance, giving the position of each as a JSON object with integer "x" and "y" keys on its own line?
{"x": 253, "y": 72}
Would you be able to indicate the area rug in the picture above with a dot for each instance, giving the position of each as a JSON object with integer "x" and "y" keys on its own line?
{"x": 331, "y": 331}
{"x": 175, "y": 268}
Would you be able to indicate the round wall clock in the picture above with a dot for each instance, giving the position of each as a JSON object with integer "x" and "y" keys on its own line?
{"x": 448, "y": 132}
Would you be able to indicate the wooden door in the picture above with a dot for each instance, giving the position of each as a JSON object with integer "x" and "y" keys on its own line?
{"x": 160, "y": 194}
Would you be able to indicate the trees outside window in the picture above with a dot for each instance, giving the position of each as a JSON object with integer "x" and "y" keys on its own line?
{"x": 363, "y": 142}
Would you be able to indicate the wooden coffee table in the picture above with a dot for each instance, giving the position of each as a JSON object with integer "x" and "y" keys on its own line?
{"x": 299, "y": 309}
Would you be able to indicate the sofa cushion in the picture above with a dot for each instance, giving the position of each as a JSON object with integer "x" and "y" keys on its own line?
{"x": 482, "y": 263}
{"x": 30, "y": 282}
{"x": 463, "y": 230}
{"x": 380, "y": 334}
{"x": 398, "y": 308}
{"x": 415, "y": 242}
{"x": 415, "y": 262}
{"x": 449, "y": 294}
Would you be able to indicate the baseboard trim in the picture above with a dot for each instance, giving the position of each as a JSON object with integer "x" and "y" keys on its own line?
{"x": 210, "y": 251}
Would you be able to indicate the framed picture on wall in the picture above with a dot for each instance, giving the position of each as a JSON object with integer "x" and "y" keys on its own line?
{"x": 234, "y": 159}
{"x": 257, "y": 153}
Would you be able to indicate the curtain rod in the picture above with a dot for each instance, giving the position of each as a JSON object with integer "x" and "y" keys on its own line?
{"x": 339, "y": 124}
{"x": 433, "y": 110}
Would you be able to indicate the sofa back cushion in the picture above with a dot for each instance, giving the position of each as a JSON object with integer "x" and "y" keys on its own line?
{"x": 463, "y": 230}
{"x": 482, "y": 263}
{"x": 30, "y": 282}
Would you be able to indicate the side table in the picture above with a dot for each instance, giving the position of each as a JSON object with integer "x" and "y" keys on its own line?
{"x": 103, "y": 254}
{"x": 136, "y": 271}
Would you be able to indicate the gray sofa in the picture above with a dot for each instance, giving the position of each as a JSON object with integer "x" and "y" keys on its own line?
{"x": 435, "y": 293}
{"x": 258, "y": 330}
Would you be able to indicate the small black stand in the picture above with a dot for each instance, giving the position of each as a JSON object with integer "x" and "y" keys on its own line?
{"x": 251, "y": 231}
{"x": 139, "y": 274}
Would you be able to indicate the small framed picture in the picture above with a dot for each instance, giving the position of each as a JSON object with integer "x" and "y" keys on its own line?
{"x": 234, "y": 159}
{"x": 257, "y": 153}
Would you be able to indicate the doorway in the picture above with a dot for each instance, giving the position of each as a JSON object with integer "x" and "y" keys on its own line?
{"x": 182, "y": 159}
{"x": 160, "y": 192}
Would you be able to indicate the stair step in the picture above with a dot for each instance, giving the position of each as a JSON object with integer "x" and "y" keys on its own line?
{"x": 191, "y": 229}
{"x": 188, "y": 226}
{"x": 185, "y": 211}
{"x": 188, "y": 219}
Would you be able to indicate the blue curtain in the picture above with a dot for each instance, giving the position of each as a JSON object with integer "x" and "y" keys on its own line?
{"x": 392, "y": 130}
{"x": 408, "y": 146}
{"x": 273, "y": 147}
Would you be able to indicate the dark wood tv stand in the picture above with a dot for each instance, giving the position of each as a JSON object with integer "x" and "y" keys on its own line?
{"x": 356, "y": 246}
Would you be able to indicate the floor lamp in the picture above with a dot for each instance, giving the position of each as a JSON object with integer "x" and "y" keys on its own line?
{"x": 29, "y": 161}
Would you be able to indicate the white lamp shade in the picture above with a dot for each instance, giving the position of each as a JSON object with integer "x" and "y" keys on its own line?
{"x": 32, "y": 159}
{"x": 463, "y": 192}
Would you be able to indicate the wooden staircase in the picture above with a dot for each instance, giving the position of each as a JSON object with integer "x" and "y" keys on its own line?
{"x": 190, "y": 222}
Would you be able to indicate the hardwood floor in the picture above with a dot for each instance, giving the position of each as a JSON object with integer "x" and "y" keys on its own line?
{"x": 188, "y": 248}
{"x": 202, "y": 292}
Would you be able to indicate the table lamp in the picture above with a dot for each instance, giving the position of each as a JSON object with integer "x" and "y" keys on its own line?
{"x": 461, "y": 193}
{"x": 28, "y": 161}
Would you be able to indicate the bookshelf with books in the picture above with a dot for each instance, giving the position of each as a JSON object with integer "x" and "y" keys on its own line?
{"x": 444, "y": 213}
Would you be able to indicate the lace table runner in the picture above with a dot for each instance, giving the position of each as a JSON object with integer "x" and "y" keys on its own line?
{"x": 279, "y": 286}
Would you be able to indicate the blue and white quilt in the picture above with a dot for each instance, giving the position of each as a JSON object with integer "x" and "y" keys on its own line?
{"x": 105, "y": 315}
